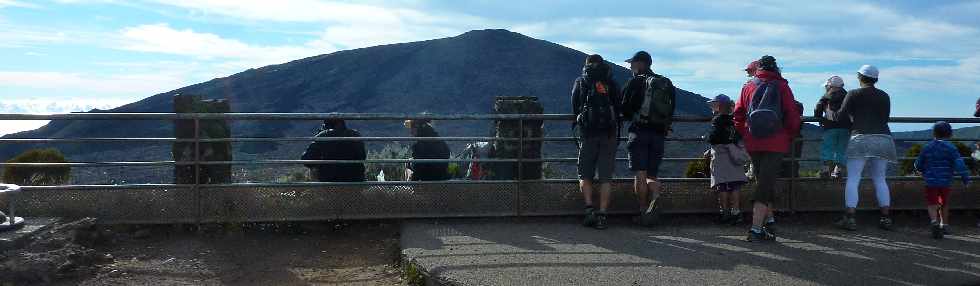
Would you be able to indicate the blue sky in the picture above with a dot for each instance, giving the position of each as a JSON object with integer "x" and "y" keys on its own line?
{"x": 71, "y": 55}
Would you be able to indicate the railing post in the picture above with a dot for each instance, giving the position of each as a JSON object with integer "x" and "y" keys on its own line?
{"x": 794, "y": 172}
{"x": 197, "y": 170}
{"x": 520, "y": 167}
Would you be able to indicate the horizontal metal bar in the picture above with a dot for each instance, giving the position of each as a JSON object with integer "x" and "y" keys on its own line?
{"x": 398, "y": 183}
{"x": 381, "y": 116}
{"x": 386, "y": 139}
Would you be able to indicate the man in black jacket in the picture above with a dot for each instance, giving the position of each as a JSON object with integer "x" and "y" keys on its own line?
{"x": 649, "y": 101}
{"x": 596, "y": 105}
{"x": 336, "y": 150}
{"x": 427, "y": 149}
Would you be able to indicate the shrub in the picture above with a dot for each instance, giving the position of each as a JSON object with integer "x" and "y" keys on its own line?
{"x": 698, "y": 169}
{"x": 37, "y": 175}
{"x": 393, "y": 172}
{"x": 908, "y": 166}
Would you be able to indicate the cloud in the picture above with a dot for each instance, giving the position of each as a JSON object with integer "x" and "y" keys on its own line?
{"x": 19, "y": 4}
{"x": 344, "y": 25}
{"x": 161, "y": 38}
{"x": 117, "y": 85}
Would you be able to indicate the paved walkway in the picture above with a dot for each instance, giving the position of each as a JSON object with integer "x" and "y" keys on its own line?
{"x": 558, "y": 251}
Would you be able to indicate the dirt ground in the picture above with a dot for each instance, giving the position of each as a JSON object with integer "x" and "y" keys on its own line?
{"x": 363, "y": 253}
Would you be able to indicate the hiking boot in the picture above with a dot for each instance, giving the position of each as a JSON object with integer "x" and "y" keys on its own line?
{"x": 763, "y": 236}
{"x": 600, "y": 221}
{"x": 886, "y": 223}
{"x": 737, "y": 219}
{"x": 847, "y": 223}
{"x": 723, "y": 218}
{"x": 937, "y": 231}
{"x": 590, "y": 218}
{"x": 769, "y": 225}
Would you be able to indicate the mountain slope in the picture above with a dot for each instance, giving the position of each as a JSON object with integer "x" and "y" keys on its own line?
{"x": 454, "y": 75}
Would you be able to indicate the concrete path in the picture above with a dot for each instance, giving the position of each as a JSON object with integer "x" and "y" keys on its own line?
{"x": 559, "y": 251}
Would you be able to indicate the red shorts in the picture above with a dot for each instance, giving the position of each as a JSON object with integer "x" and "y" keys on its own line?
{"x": 937, "y": 195}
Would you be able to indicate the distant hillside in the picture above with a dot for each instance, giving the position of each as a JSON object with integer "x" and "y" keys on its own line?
{"x": 456, "y": 75}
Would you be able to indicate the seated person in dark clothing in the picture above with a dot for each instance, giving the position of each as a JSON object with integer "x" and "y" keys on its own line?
{"x": 336, "y": 150}
{"x": 427, "y": 149}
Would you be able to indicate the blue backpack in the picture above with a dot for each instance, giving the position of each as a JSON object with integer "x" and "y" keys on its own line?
{"x": 766, "y": 111}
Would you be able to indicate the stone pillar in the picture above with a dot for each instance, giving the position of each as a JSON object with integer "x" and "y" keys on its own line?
{"x": 513, "y": 129}
{"x": 209, "y": 151}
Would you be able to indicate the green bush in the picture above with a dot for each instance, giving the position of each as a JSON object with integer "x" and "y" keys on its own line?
{"x": 700, "y": 168}
{"x": 37, "y": 175}
{"x": 393, "y": 172}
{"x": 908, "y": 166}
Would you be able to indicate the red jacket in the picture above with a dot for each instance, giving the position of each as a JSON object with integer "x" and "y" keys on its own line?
{"x": 780, "y": 141}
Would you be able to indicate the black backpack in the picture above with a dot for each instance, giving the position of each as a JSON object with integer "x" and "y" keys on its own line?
{"x": 766, "y": 111}
{"x": 597, "y": 115}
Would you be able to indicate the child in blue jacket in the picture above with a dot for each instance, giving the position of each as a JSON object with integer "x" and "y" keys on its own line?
{"x": 938, "y": 163}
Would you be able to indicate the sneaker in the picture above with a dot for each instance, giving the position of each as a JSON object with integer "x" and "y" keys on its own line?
{"x": 764, "y": 236}
{"x": 600, "y": 221}
{"x": 886, "y": 223}
{"x": 590, "y": 218}
{"x": 770, "y": 226}
{"x": 947, "y": 230}
{"x": 737, "y": 219}
{"x": 847, "y": 223}
{"x": 836, "y": 174}
{"x": 724, "y": 218}
{"x": 937, "y": 231}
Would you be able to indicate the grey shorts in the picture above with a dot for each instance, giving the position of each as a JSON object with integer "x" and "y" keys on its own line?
{"x": 646, "y": 151}
{"x": 597, "y": 155}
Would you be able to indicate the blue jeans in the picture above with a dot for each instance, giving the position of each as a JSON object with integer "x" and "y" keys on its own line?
{"x": 834, "y": 146}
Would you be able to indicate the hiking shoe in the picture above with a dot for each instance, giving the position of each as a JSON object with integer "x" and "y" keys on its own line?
{"x": 762, "y": 236}
{"x": 847, "y": 223}
{"x": 937, "y": 231}
{"x": 947, "y": 230}
{"x": 886, "y": 223}
{"x": 600, "y": 221}
{"x": 836, "y": 174}
{"x": 724, "y": 218}
{"x": 737, "y": 219}
{"x": 590, "y": 218}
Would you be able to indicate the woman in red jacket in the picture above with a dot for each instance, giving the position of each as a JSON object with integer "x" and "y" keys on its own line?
{"x": 767, "y": 150}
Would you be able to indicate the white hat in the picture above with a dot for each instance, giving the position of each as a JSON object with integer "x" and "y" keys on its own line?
{"x": 834, "y": 81}
{"x": 868, "y": 71}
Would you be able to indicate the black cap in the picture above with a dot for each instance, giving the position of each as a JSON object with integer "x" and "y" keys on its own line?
{"x": 642, "y": 57}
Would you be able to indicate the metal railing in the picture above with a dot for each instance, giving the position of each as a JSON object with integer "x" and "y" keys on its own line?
{"x": 522, "y": 194}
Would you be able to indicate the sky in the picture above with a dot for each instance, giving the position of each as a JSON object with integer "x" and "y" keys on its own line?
{"x": 61, "y": 56}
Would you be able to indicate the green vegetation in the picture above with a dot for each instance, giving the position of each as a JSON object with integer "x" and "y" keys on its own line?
{"x": 393, "y": 172}
{"x": 37, "y": 175}
{"x": 908, "y": 166}
{"x": 698, "y": 169}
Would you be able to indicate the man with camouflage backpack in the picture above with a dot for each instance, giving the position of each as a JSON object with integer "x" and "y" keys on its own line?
{"x": 768, "y": 118}
{"x": 648, "y": 101}
{"x": 595, "y": 103}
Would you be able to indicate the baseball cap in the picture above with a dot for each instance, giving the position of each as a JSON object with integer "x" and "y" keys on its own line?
{"x": 834, "y": 81}
{"x": 642, "y": 57}
{"x": 721, "y": 98}
{"x": 868, "y": 71}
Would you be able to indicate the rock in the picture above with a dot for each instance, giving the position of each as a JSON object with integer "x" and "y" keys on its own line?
{"x": 115, "y": 273}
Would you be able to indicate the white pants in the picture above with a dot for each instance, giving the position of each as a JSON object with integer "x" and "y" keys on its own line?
{"x": 878, "y": 169}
